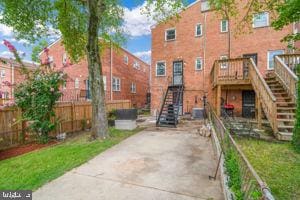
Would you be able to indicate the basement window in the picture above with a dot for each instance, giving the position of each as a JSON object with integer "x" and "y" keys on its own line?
{"x": 170, "y": 34}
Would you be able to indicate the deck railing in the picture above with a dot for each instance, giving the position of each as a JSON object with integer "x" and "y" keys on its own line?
{"x": 291, "y": 60}
{"x": 253, "y": 187}
{"x": 264, "y": 94}
{"x": 229, "y": 71}
{"x": 286, "y": 74}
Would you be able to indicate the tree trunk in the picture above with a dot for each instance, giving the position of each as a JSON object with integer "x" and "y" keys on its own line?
{"x": 99, "y": 118}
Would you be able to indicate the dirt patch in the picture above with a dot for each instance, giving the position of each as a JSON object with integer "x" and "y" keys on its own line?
{"x": 19, "y": 150}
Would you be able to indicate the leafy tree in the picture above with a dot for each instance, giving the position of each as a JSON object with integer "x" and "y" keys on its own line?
{"x": 37, "y": 49}
{"x": 81, "y": 23}
{"x": 283, "y": 13}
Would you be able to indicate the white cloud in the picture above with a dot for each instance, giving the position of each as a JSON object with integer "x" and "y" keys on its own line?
{"x": 22, "y": 41}
{"x": 9, "y": 54}
{"x": 144, "y": 55}
{"x": 136, "y": 23}
{"x": 5, "y": 30}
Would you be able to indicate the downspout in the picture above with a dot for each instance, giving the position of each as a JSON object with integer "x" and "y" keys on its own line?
{"x": 111, "y": 68}
{"x": 204, "y": 53}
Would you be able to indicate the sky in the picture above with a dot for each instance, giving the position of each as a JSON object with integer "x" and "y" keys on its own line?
{"x": 136, "y": 25}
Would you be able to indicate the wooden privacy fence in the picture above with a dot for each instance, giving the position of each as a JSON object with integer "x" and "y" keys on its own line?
{"x": 252, "y": 187}
{"x": 72, "y": 117}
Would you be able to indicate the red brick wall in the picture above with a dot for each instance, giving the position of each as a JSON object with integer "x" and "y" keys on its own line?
{"x": 12, "y": 76}
{"x": 210, "y": 46}
{"x": 125, "y": 72}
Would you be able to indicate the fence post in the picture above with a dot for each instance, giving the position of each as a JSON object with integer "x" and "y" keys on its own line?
{"x": 72, "y": 114}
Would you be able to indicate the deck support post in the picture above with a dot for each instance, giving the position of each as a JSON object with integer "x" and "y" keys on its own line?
{"x": 219, "y": 100}
{"x": 259, "y": 113}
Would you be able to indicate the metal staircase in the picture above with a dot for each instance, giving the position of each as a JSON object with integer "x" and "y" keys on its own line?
{"x": 169, "y": 112}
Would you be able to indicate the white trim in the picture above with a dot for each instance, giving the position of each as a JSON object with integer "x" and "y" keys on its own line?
{"x": 268, "y": 52}
{"x": 268, "y": 20}
{"x": 222, "y": 26}
{"x": 162, "y": 61}
{"x": 200, "y": 29}
{"x": 131, "y": 88}
{"x": 116, "y": 78}
{"x": 222, "y": 65}
{"x": 169, "y": 29}
{"x": 201, "y": 60}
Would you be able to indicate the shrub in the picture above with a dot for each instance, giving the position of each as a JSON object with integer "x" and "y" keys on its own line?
{"x": 296, "y": 131}
{"x": 36, "y": 96}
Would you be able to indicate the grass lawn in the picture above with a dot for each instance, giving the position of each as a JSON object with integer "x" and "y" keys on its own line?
{"x": 32, "y": 170}
{"x": 277, "y": 164}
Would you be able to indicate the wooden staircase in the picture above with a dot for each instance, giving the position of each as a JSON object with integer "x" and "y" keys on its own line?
{"x": 168, "y": 116}
{"x": 286, "y": 107}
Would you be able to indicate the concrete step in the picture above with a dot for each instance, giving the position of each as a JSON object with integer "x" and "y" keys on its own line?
{"x": 286, "y": 108}
{"x": 285, "y": 127}
{"x": 286, "y": 114}
{"x": 284, "y": 136}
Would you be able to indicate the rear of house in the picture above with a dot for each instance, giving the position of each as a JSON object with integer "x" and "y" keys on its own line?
{"x": 185, "y": 52}
{"x": 10, "y": 76}
{"x": 125, "y": 76}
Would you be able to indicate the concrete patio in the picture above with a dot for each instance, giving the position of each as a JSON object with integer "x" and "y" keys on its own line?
{"x": 154, "y": 164}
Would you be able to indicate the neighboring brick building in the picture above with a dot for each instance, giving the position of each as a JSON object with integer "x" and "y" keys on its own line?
{"x": 10, "y": 76}
{"x": 189, "y": 47}
{"x": 125, "y": 76}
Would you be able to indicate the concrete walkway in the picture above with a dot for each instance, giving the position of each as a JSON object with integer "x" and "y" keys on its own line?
{"x": 169, "y": 164}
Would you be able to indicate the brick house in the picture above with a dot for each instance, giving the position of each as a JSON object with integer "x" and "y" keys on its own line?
{"x": 10, "y": 75}
{"x": 186, "y": 53}
{"x": 125, "y": 76}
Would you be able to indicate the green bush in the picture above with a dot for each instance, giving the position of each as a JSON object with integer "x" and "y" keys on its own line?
{"x": 296, "y": 131}
{"x": 233, "y": 170}
{"x": 36, "y": 96}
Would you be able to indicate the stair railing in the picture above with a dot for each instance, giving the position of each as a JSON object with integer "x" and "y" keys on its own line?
{"x": 264, "y": 93}
{"x": 178, "y": 100}
{"x": 286, "y": 76}
{"x": 162, "y": 106}
{"x": 290, "y": 60}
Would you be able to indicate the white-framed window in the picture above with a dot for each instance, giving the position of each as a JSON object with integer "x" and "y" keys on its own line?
{"x": 76, "y": 83}
{"x": 170, "y": 34}
{"x": 2, "y": 73}
{"x": 198, "y": 30}
{"x": 50, "y": 59}
{"x": 136, "y": 65}
{"x": 260, "y": 20}
{"x": 133, "y": 88}
{"x": 104, "y": 82}
{"x": 224, "y": 65}
{"x": 271, "y": 56}
{"x": 116, "y": 83}
{"x": 64, "y": 58}
{"x": 125, "y": 59}
{"x": 198, "y": 64}
{"x": 161, "y": 68}
{"x": 224, "y": 26}
{"x": 205, "y": 6}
